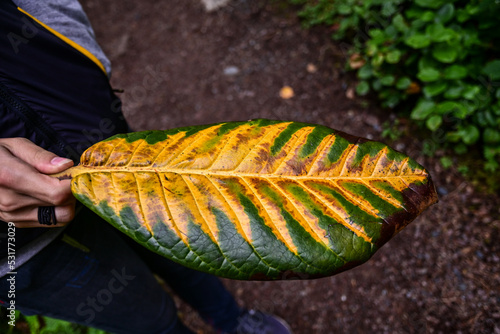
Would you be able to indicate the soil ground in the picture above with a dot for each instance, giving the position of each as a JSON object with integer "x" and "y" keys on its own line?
{"x": 179, "y": 65}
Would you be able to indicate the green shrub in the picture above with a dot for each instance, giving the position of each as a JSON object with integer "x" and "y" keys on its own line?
{"x": 439, "y": 57}
{"x": 36, "y": 324}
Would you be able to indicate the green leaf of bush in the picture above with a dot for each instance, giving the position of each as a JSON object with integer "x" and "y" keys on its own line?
{"x": 434, "y": 122}
{"x": 457, "y": 109}
{"x": 485, "y": 118}
{"x": 391, "y": 32}
{"x": 388, "y": 8}
{"x": 455, "y": 72}
{"x": 445, "y": 13}
{"x": 418, "y": 41}
{"x": 392, "y": 101}
{"x": 399, "y": 23}
{"x": 469, "y": 134}
{"x": 413, "y": 12}
{"x": 430, "y": 3}
{"x": 427, "y": 16}
{"x": 427, "y": 61}
{"x": 423, "y": 109}
{"x": 438, "y": 33}
{"x": 393, "y": 56}
{"x": 492, "y": 69}
{"x": 362, "y": 88}
{"x": 435, "y": 88}
{"x": 428, "y": 74}
{"x": 470, "y": 92}
{"x": 470, "y": 38}
{"x": 446, "y": 162}
{"x": 376, "y": 85}
{"x": 445, "y": 53}
{"x": 453, "y": 92}
{"x": 403, "y": 83}
{"x": 365, "y": 72}
{"x": 388, "y": 80}
{"x": 460, "y": 111}
{"x": 377, "y": 35}
{"x": 462, "y": 15}
{"x": 472, "y": 9}
{"x": 460, "y": 149}
{"x": 344, "y": 9}
{"x": 377, "y": 60}
{"x": 491, "y": 136}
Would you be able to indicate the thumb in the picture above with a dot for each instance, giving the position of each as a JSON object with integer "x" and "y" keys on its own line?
{"x": 44, "y": 161}
{"x": 57, "y": 164}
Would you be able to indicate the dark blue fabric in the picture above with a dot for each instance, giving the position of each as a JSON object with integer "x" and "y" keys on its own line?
{"x": 64, "y": 87}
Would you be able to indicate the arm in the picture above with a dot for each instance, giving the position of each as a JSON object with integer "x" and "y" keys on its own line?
{"x": 25, "y": 185}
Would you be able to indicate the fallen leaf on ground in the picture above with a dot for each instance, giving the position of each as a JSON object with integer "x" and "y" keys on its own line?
{"x": 311, "y": 68}
{"x": 286, "y": 92}
{"x": 356, "y": 61}
{"x": 414, "y": 88}
{"x": 349, "y": 93}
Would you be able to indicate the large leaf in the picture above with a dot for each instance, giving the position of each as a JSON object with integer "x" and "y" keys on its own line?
{"x": 254, "y": 200}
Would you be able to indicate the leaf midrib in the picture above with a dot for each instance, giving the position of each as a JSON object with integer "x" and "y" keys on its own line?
{"x": 75, "y": 171}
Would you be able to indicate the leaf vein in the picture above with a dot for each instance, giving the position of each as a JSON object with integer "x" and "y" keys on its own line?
{"x": 112, "y": 150}
{"x": 139, "y": 203}
{"x": 163, "y": 148}
{"x": 277, "y": 230}
{"x": 289, "y": 154}
{"x": 405, "y": 162}
{"x": 131, "y": 156}
{"x": 353, "y": 199}
{"x": 347, "y": 156}
{"x": 252, "y": 149}
{"x": 341, "y": 220}
{"x": 169, "y": 212}
{"x": 380, "y": 155}
{"x": 380, "y": 194}
{"x": 245, "y": 237}
{"x": 306, "y": 220}
{"x": 190, "y": 144}
{"x": 202, "y": 215}
{"x": 319, "y": 151}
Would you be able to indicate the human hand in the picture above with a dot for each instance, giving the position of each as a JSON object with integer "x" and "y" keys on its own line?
{"x": 25, "y": 185}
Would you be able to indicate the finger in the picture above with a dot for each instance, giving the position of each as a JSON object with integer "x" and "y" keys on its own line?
{"x": 28, "y": 217}
{"x": 35, "y": 224}
{"x": 42, "y": 160}
{"x": 16, "y": 175}
{"x": 12, "y": 201}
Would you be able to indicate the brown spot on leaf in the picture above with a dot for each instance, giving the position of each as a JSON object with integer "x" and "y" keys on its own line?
{"x": 416, "y": 199}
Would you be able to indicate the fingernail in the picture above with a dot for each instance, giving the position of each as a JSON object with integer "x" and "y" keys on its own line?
{"x": 58, "y": 161}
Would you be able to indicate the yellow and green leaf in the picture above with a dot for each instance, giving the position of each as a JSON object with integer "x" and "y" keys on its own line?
{"x": 254, "y": 200}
